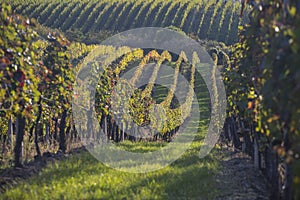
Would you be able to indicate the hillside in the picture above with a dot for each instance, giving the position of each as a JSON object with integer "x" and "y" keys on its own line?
{"x": 208, "y": 111}
{"x": 83, "y": 19}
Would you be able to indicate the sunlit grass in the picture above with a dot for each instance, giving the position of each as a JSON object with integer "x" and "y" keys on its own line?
{"x": 81, "y": 176}
{"x": 141, "y": 147}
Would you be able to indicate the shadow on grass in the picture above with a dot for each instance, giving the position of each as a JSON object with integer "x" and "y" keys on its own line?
{"x": 81, "y": 176}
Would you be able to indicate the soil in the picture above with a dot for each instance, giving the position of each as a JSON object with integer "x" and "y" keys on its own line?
{"x": 239, "y": 178}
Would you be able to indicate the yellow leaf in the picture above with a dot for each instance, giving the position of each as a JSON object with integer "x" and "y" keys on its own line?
{"x": 297, "y": 179}
{"x": 257, "y": 129}
{"x": 292, "y": 11}
{"x": 268, "y": 133}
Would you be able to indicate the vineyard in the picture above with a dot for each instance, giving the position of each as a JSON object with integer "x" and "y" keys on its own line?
{"x": 215, "y": 20}
{"x": 174, "y": 115}
{"x": 65, "y": 98}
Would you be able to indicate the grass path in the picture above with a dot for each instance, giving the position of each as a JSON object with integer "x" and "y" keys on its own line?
{"x": 81, "y": 176}
{"x": 224, "y": 174}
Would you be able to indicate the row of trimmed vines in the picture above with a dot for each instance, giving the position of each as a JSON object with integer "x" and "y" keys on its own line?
{"x": 263, "y": 94}
{"x": 37, "y": 74}
{"x": 204, "y": 19}
{"x": 119, "y": 121}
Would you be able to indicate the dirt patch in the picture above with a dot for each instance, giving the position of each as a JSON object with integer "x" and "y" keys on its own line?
{"x": 238, "y": 178}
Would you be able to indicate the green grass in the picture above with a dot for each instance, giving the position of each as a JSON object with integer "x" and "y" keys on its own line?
{"x": 141, "y": 147}
{"x": 81, "y": 176}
